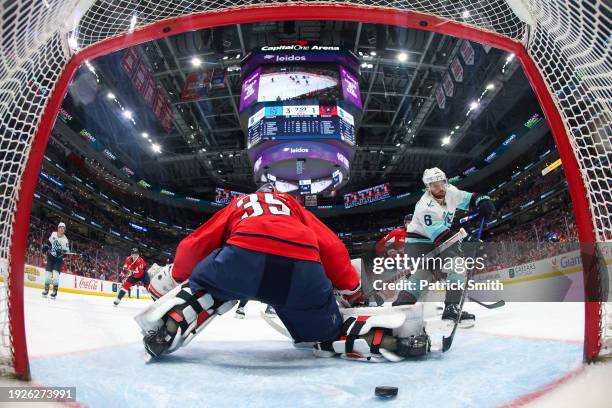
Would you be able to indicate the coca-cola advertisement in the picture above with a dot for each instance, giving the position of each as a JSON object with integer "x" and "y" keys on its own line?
{"x": 89, "y": 284}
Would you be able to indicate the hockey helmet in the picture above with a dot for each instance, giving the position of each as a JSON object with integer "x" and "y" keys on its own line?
{"x": 432, "y": 175}
{"x": 267, "y": 188}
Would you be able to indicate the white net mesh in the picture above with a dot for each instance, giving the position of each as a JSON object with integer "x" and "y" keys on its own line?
{"x": 569, "y": 43}
{"x": 571, "y": 47}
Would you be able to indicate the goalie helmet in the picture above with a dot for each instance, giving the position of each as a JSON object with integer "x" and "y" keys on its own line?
{"x": 267, "y": 188}
{"x": 432, "y": 175}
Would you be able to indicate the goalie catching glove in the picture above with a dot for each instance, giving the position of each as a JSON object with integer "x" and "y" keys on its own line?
{"x": 161, "y": 280}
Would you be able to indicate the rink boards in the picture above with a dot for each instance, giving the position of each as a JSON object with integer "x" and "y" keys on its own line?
{"x": 35, "y": 278}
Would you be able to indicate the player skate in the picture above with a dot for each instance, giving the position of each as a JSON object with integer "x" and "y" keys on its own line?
{"x": 451, "y": 312}
{"x": 240, "y": 310}
{"x": 45, "y": 292}
{"x": 239, "y": 313}
{"x": 270, "y": 311}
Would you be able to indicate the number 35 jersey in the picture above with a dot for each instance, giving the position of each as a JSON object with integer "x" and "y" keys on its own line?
{"x": 272, "y": 223}
{"x": 431, "y": 221}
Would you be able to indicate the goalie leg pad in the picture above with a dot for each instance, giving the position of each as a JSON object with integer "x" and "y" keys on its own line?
{"x": 177, "y": 317}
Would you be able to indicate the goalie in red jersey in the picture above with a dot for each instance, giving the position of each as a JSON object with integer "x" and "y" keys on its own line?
{"x": 134, "y": 267}
{"x": 263, "y": 246}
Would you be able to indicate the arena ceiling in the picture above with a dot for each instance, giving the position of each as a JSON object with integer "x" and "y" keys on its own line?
{"x": 402, "y": 128}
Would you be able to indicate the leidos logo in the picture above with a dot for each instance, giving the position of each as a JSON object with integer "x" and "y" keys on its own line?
{"x": 290, "y": 58}
{"x": 298, "y": 150}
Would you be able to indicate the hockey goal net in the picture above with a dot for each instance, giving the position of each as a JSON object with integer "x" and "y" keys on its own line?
{"x": 563, "y": 46}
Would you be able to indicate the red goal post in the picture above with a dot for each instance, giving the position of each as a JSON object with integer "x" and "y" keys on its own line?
{"x": 562, "y": 46}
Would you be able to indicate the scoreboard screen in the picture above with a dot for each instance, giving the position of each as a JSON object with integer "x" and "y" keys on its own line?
{"x": 367, "y": 196}
{"x": 282, "y": 128}
{"x": 299, "y": 123}
{"x": 224, "y": 196}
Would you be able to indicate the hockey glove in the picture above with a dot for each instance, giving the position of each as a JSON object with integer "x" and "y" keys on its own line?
{"x": 485, "y": 206}
{"x": 161, "y": 280}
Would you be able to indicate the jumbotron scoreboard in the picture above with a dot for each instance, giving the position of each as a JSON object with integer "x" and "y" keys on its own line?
{"x": 300, "y": 107}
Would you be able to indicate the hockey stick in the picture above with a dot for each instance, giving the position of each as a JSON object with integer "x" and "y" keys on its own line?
{"x": 275, "y": 325}
{"x": 495, "y": 305}
{"x": 448, "y": 341}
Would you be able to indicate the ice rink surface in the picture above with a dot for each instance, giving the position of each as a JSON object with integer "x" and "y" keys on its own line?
{"x": 511, "y": 356}
{"x": 281, "y": 85}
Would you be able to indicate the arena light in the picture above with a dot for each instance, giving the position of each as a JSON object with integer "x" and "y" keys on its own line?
{"x": 474, "y": 105}
{"x": 402, "y": 57}
{"x": 373, "y": 53}
{"x": 446, "y": 140}
{"x": 145, "y": 135}
{"x": 196, "y": 62}
{"x": 490, "y": 86}
{"x": 156, "y": 148}
{"x": 452, "y": 132}
{"x": 457, "y": 127}
{"x": 465, "y": 14}
{"x": 127, "y": 114}
{"x": 110, "y": 95}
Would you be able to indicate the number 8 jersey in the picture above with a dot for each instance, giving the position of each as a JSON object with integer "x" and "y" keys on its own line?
{"x": 272, "y": 223}
{"x": 431, "y": 221}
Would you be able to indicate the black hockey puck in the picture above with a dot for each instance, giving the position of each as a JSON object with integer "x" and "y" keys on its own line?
{"x": 385, "y": 391}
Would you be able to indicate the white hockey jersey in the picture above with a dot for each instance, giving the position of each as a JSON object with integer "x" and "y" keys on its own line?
{"x": 59, "y": 245}
{"x": 432, "y": 220}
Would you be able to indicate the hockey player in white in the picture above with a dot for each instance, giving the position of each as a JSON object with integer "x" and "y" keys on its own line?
{"x": 55, "y": 258}
{"x": 430, "y": 227}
